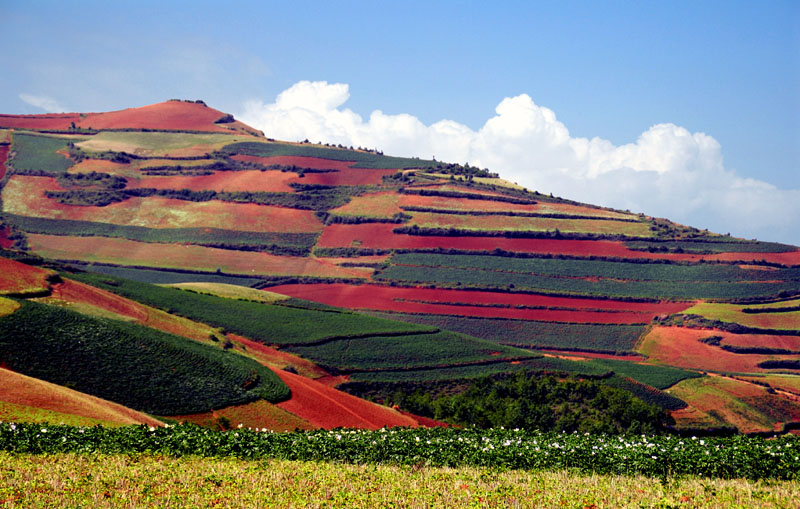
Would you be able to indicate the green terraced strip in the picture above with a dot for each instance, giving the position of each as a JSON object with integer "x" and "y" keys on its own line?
{"x": 362, "y": 159}
{"x": 38, "y": 154}
{"x": 408, "y": 352}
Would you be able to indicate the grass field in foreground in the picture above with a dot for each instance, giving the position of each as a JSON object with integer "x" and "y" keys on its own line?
{"x": 67, "y": 480}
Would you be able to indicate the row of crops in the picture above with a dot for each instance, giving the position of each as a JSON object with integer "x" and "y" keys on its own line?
{"x": 592, "y": 277}
{"x": 135, "y": 366}
{"x": 609, "y": 338}
{"x": 657, "y": 456}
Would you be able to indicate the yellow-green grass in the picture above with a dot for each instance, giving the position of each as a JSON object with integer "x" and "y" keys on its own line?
{"x": 231, "y": 291}
{"x": 481, "y": 180}
{"x": 747, "y": 406}
{"x": 24, "y": 196}
{"x": 787, "y": 320}
{"x": 5, "y": 136}
{"x": 536, "y": 224}
{"x": 788, "y": 383}
{"x": 258, "y": 415}
{"x": 185, "y": 257}
{"x": 157, "y": 143}
{"x": 385, "y": 204}
{"x": 68, "y": 480}
{"x": 27, "y": 399}
{"x": 8, "y": 306}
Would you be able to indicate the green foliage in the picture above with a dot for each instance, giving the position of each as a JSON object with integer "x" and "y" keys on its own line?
{"x": 270, "y": 324}
{"x": 660, "y": 377}
{"x": 411, "y": 351}
{"x": 136, "y": 366}
{"x": 646, "y": 393}
{"x": 38, "y": 153}
{"x": 290, "y": 244}
{"x": 542, "y": 403}
{"x": 607, "y": 338}
{"x": 619, "y": 279}
{"x": 733, "y": 457}
{"x": 155, "y": 276}
{"x": 362, "y": 159}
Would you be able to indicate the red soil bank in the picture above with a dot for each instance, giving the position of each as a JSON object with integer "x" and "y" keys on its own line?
{"x": 437, "y": 301}
{"x": 325, "y": 407}
{"x": 16, "y": 277}
{"x": 5, "y": 242}
{"x": 268, "y": 181}
{"x": 74, "y": 291}
{"x": 381, "y": 236}
{"x": 763, "y": 340}
{"x": 46, "y": 121}
{"x": 169, "y": 115}
{"x": 3, "y": 156}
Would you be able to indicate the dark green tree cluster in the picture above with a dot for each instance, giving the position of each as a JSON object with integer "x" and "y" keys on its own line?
{"x": 543, "y": 403}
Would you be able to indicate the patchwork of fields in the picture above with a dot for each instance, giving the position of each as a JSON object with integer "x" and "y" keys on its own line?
{"x": 464, "y": 276}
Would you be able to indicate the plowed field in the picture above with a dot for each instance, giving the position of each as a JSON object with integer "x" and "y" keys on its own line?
{"x": 169, "y": 115}
{"x": 518, "y": 223}
{"x": 3, "y": 156}
{"x": 24, "y": 196}
{"x": 325, "y": 407}
{"x": 44, "y": 122}
{"x": 480, "y": 304}
{"x": 345, "y": 177}
{"x": 314, "y": 163}
{"x": 681, "y": 347}
{"x": 18, "y": 278}
{"x": 255, "y": 181}
{"x": 171, "y": 256}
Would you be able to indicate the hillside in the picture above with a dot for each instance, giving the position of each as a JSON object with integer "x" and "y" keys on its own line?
{"x": 381, "y": 274}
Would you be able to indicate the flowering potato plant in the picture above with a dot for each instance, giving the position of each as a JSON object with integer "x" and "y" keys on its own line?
{"x": 658, "y": 456}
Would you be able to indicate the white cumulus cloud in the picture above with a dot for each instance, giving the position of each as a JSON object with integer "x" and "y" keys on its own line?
{"x": 667, "y": 172}
{"x": 48, "y": 104}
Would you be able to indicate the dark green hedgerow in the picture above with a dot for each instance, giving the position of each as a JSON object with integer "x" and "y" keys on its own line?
{"x": 270, "y": 324}
{"x": 135, "y": 366}
{"x": 658, "y": 456}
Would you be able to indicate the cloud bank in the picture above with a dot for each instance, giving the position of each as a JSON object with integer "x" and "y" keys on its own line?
{"x": 48, "y": 104}
{"x": 667, "y": 172}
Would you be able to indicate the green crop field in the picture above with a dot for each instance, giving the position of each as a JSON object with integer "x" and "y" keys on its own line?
{"x": 530, "y": 334}
{"x": 38, "y": 153}
{"x": 297, "y": 244}
{"x": 271, "y": 324}
{"x": 598, "y": 268}
{"x": 405, "y": 352}
{"x": 135, "y": 366}
{"x": 660, "y": 377}
{"x": 362, "y": 159}
{"x": 165, "y": 276}
{"x": 721, "y": 246}
{"x": 489, "y": 279}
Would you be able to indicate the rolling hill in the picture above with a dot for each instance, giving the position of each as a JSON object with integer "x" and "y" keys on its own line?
{"x": 347, "y": 270}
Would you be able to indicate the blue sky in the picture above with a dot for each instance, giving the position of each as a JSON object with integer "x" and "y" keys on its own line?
{"x": 609, "y": 71}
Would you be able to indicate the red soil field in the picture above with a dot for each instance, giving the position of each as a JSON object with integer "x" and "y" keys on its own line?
{"x": 258, "y": 414}
{"x": 5, "y": 242}
{"x": 315, "y": 163}
{"x": 18, "y": 278}
{"x": 19, "y": 389}
{"x": 98, "y": 165}
{"x": 763, "y": 340}
{"x": 681, "y": 347}
{"x": 347, "y": 177}
{"x": 3, "y": 156}
{"x": 380, "y": 236}
{"x": 275, "y": 358}
{"x": 267, "y": 181}
{"x": 437, "y": 301}
{"x": 169, "y": 115}
{"x": 325, "y": 407}
{"x": 44, "y": 121}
